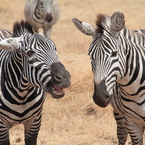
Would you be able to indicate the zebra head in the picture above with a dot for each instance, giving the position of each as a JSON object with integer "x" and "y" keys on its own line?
{"x": 104, "y": 54}
{"x": 37, "y": 60}
{"x": 45, "y": 9}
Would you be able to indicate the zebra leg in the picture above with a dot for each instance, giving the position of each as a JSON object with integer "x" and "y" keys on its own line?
{"x": 4, "y": 134}
{"x": 121, "y": 128}
{"x": 136, "y": 132}
{"x": 31, "y": 131}
{"x": 47, "y": 31}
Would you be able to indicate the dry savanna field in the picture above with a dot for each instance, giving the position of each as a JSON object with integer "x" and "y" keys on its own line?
{"x": 75, "y": 119}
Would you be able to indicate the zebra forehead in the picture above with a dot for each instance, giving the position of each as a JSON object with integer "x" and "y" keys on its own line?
{"x": 103, "y": 22}
{"x": 41, "y": 37}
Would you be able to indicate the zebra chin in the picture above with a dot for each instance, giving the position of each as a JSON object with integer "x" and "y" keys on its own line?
{"x": 101, "y": 96}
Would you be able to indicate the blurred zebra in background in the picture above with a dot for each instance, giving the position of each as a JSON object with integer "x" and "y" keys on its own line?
{"x": 42, "y": 14}
{"x": 118, "y": 63}
{"x": 29, "y": 68}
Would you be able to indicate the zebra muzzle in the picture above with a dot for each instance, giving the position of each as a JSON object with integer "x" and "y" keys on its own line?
{"x": 49, "y": 17}
{"x": 60, "y": 79}
{"x": 101, "y": 96}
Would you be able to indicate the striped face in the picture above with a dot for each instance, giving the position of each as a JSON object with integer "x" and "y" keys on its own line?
{"x": 38, "y": 63}
{"x": 105, "y": 54}
{"x": 44, "y": 66}
{"x": 105, "y": 61}
{"x": 39, "y": 53}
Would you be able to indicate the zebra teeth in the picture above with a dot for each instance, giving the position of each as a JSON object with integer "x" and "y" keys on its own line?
{"x": 57, "y": 91}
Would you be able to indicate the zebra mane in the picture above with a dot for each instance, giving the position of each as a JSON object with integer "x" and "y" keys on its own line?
{"x": 103, "y": 23}
{"x": 136, "y": 37}
{"x": 21, "y": 28}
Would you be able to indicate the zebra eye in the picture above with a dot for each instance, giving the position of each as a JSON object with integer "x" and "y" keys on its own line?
{"x": 30, "y": 53}
{"x": 114, "y": 54}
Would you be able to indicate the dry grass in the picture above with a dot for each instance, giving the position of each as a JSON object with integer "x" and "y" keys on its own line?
{"x": 75, "y": 119}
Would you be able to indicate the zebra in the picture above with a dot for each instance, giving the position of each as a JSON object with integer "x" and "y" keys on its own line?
{"x": 117, "y": 57}
{"x": 42, "y": 14}
{"x": 30, "y": 68}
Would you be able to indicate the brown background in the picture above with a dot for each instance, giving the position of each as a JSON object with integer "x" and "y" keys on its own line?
{"x": 75, "y": 119}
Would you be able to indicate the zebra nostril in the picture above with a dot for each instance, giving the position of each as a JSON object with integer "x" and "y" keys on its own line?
{"x": 49, "y": 17}
{"x": 58, "y": 78}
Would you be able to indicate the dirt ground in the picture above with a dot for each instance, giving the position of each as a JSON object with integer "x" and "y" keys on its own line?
{"x": 75, "y": 119}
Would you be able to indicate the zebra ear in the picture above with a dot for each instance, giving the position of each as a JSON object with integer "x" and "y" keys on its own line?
{"x": 84, "y": 27}
{"x": 117, "y": 22}
{"x": 10, "y": 44}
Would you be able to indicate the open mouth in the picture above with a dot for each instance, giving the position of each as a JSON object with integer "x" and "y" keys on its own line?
{"x": 55, "y": 91}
